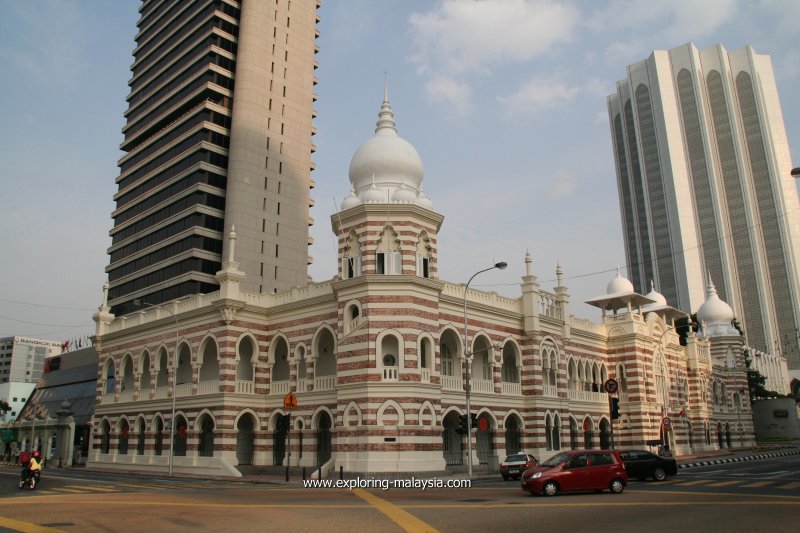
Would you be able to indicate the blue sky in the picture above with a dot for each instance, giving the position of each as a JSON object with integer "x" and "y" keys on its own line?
{"x": 503, "y": 99}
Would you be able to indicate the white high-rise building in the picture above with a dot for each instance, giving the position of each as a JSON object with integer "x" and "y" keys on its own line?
{"x": 22, "y": 358}
{"x": 705, "y": 188}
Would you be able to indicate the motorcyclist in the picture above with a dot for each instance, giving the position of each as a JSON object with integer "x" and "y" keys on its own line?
{"x": 33, "y": 466}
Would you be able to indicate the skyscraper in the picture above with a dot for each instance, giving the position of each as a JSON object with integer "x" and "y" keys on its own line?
{"x": 705, "y": 187}
{"x": 218, "y": 134}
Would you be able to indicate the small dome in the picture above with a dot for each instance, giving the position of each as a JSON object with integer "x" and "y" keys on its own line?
{"x": 714, "y": 311}
{"x": 655, "y": 295}
{"x": 386, "y": 160}
{"x": 404, "y": 194}
{"x": 373, "y": 194}
{"x": 619, "y": 285}
{"x": 424, "y": 201}
{"x": 351, "y": 201}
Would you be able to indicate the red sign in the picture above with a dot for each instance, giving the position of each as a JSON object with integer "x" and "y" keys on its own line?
{"x": 610, "y": 385}
{"x": 483, "y": 424}
{"x": 586, "y": 425}
{"x": 666, "y": 422}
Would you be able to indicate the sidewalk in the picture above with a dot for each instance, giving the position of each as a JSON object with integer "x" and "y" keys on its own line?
{"x": 760, "y": 451}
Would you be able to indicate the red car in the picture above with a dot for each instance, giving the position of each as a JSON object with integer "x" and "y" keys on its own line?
{"x": 576, "y": 471}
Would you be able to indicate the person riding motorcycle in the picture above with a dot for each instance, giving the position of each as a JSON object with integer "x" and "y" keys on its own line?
{"x": 33, "y": 467}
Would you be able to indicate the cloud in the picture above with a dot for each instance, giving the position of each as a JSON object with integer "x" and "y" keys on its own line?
{"x": 460, "y": 39}
{"x": 451, "y": 92}
{"x": 561, "y": 187}
{"x": 539, "y": 94}
{"x": 49, "y": 40}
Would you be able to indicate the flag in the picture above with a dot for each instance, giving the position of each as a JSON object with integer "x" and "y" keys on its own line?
{"x": 683, "y": 412}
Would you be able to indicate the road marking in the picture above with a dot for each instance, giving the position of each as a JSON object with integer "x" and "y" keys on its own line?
{"x": 757, "y": 484}
{"x": 26, "y": 527}
{"x": 90, "y": 488}
{"x": 130, "y": 485}
{"x": 402, "y": 518}
{"x": 70, "y": 491}
{"x": 725, "y": 483}
{"x": 792, "y": 485}
{"x": 692, "y": 483}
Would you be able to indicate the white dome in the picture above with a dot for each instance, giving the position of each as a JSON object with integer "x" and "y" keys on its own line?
{"x": 655, "y": 295}
{"x": 404, "y": 194}
{"x": 714, "y": 311}
{"x": 619, "y": 285}
{"x": 373, "y": 194}
{"x": 386, "y": 160}
{"x": 351, "y": 201}
{"x": 424, "y": 201}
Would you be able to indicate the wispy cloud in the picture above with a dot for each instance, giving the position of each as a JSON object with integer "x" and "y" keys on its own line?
{"x": 461, "y": 39}
{"x": 48, "y": 39}
{"x": 539, "y": 94}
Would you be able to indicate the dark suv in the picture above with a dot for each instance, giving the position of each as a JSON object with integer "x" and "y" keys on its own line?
{"x": 577, "y": 470}
{"x": 642, "y": 464}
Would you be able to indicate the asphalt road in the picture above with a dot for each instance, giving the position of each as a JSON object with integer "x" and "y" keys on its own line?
{"x": 750, "y": 496}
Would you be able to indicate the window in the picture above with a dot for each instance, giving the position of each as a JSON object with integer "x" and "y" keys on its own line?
{"x": 423, "y": 267}
{"x": 389, "y": 263}
{"x": 351, "y": 267}
{"x": 599, "y": 459}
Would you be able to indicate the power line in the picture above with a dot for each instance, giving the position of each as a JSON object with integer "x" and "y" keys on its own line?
{"x": 46, "y": 306}
{"x": 43, "y": 324}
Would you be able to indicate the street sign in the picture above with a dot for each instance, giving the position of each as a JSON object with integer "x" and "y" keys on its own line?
{"x": 666, "y": 422}
{"x": 586, "y": 425}
{"x": 611, "y": 385}
{"x": 483, "y": 424}
{"x": 290, "y": 401}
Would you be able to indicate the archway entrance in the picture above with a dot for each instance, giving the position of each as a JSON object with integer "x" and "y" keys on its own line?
{"x": 279, "y": 441}
{"x": 605, "y": 435}
{"x": 244, "y": 440}
{"x": 513, "y": 437}
{"x": 323, "y": 438}
{"x": 451, "y": 440}
{"x": 484, "y": 438}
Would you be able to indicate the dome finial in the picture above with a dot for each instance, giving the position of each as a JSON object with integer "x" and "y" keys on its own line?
{"x": 386, "y": 123}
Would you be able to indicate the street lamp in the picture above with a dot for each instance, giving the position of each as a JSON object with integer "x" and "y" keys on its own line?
{"x": 468, "y": 361}
{"x": 174, "y": 381}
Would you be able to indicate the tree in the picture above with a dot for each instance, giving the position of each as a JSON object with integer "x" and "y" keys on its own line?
{"x": 684, "y": 324}
{"x": 756, "y": 382}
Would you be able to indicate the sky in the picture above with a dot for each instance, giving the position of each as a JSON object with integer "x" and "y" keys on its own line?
{"x": 503, "y": 99}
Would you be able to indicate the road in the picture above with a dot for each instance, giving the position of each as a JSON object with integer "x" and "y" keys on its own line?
{"x": 749, "y": 496}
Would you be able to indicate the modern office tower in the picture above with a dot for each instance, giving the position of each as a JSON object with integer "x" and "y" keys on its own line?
{"x": 22, "y": 358}
{"x": 218, "y": 134}
{"x": 705, "y": 187}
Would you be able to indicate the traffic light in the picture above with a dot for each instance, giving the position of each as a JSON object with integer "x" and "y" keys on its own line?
{"x": 473, "y": 420}
{"x": 614, "y": 408}
{"x": 462, "y": 424}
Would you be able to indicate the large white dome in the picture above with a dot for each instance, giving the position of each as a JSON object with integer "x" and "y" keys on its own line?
{"x": 619, "y": 285}
{"x": 714, "y": 310}
{"x": 387, "y": 162}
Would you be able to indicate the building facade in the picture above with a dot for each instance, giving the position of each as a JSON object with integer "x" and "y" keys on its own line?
{"x": 377, "y": 359}
{"x": 218, "y": 133}
{"x": 705, "y": 188}
{"x": 22, "y": 359}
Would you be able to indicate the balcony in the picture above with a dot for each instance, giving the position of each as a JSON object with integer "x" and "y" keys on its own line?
{"x": 126, "y": 396}
{"x": 550, "y": 391}
{"x": 482, "y": 385}
{"x": 245, "y": 387}
{"x": 302, "y": 385}
{"x": 280, "y": 388}
{"x": 425, "y": 375}
{"x": 390, "y": 374}
{"x": 511, "y": 389}
{"x": 452, "y": 383}
{"x": 588, "y": 396}
{"x": 183, "y": 389}
{"x": 208, "y": 387}
{"x": 108, "y": 398}
{"x": 324, "y": 383}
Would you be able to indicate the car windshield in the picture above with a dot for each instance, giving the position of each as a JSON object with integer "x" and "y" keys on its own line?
{"x": 556, "y": 459}
{"x": 516, "y": 458}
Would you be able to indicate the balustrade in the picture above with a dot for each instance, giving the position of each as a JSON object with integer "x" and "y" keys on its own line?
{"x": 512, "y": 389}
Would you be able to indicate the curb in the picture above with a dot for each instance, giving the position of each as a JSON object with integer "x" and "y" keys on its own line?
{"x": 710, "y": 462}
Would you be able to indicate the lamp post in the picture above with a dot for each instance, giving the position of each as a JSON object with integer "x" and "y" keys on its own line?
{"x": 174, "y": 383}
{"x": 468, "y": 361}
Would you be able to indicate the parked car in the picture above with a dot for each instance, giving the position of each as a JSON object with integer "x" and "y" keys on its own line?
{"x": 576, "y": 471}
{"x": 515, "y": 464}
{"x": 642, "y": 464}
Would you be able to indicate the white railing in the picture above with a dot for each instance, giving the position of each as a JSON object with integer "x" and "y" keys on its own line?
{"x": 512, "y": 389}
{"x": 588, "y": 396}
{"x": 302, "y": 385}
{"x": 208, "y": 387}
{"x": 108, "y": 398}
{"x": 353, "y": 325}
{"x": 425, "y": 375}
{"x": 184, "y": 389}
{"x": 390, "y": 374}
{"x": 324, "y": 383}
{"x": 482, "y": 385}
{"x": 245, "y": 387}
{"x": 550, "y": 390}
{"x": 161, "y": 393}
{"x": 126, "y": 396}
{"x": 452, "y": 383}
{"x": 280, "y": 388}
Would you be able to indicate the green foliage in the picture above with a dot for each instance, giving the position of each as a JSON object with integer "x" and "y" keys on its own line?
{"x": 4, "y": 407}
{"x": 756, "y": 382}
{"x": 684, "y": 324}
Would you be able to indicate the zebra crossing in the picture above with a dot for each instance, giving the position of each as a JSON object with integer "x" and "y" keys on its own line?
{"x": 112, "y": 488}
{"x": 775, "y": 484}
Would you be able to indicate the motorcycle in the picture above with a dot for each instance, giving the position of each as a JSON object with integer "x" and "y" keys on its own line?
{"x": 29, "y": 479}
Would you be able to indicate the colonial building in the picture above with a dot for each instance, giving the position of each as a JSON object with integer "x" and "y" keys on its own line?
{"x": 376, "y": 359}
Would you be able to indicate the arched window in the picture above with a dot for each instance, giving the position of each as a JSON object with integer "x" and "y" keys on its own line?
{"x": 390, "y": 353}
{"x": 206, "y": 448}
{"x": 388, "y": 259}
{"x": 140, "y": 436}
{"x": 574, "y": 443}
{"x": 588, "y": 434}
{"x": 548, "y": 432}
{"x": 556, "y": 438}
{"x": 448, "y": 350}
{"x": 111, "y": 382}
{"x": 159, "y": 435}
{"x": 105, "y": 437}
{"x": 181, "y": 437}
{"x": 424, "y": 256}
{"x": 510, "y": 370}
{"x": 124, "y": 431}
{"x": 622, "y": 378}
{"x": 244, "y": 367}
{"x": 351, "y": 262}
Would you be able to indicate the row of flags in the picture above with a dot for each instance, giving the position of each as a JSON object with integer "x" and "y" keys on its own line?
{"x": 76, "y": 343}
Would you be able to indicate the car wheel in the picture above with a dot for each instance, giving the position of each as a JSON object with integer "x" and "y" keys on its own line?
{"x": 550, "y": 488}
{"x": 659, "y": 474}
{"x": 616, "y": 486}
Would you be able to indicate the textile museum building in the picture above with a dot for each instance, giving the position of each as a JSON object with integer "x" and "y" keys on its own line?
{"x": 376, "y": 359}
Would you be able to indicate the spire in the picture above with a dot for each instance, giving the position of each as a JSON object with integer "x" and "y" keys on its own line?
{"x": 528, "y": 262}
{"x": 386, "y": 123}
{"x": 559, "y": 273}
{"x": 232, "y": 244}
